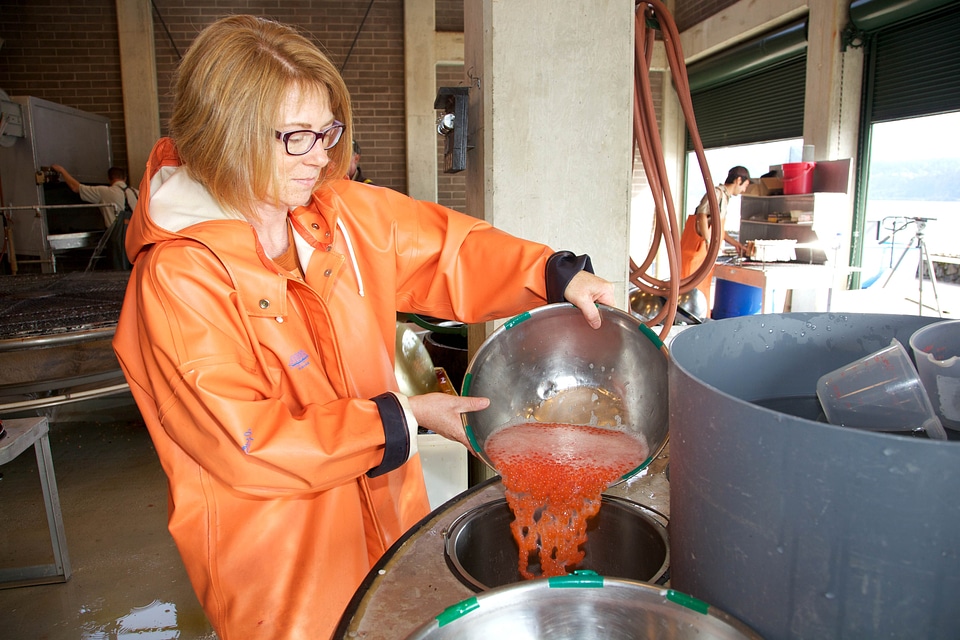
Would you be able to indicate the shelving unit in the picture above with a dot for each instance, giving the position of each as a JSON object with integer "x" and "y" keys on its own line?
{"x": 817, "y": 222}
{"x": 813, "y": 220}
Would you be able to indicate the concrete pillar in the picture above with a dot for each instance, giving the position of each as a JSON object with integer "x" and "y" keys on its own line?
{"x": 431, "y": 48}
{"x": 138, "y": 72}
{"x": 550, "y": 124}
{"x": 831, "y": 111}
{"x": 420, "y": 79}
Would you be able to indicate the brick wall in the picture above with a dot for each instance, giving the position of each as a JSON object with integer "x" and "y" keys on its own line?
{"x": 451, "y": 187}
{"x": 370, "y": 59}
{"x": 639, "y": 181}
{"x": 449, "y": 15}
{"x": 68, "y": 52}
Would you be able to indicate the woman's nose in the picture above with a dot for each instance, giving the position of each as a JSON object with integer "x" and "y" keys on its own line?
{"x": 318, "y": 155}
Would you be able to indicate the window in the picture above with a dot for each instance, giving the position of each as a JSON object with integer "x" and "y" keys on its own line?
{"x": 913, "y": 174}
{"x": 909, "y": 133}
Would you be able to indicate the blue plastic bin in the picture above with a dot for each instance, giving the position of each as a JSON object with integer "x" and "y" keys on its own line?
{"x": 732, "y": 299}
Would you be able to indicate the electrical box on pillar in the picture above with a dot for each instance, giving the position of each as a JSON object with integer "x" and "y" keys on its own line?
{"x": 452, "y": 125}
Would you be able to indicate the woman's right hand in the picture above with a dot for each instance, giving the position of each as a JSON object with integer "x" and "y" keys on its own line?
{"x": 440, "y": 413}
{"x": 584, "y": 291}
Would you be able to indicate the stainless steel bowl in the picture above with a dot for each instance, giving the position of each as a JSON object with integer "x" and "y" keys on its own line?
{"x": 548, "y": 365}
{"x": 645, "y": 305}
{"x": 582, "y": 607}
{"x": 692, "y": 307}
{"x": 413, "y": 366}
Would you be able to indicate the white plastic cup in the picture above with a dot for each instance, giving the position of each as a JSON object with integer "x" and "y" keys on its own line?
{"x": 880, "y": 392}
{"x": 936, "y": 348}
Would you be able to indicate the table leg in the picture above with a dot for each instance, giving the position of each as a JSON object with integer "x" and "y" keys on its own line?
{"x": 51, "y": 499}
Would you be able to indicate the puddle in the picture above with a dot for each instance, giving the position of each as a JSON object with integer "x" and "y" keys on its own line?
{"x": 156, "y": 621}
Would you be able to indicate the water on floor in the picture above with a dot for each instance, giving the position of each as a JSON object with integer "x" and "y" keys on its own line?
{"x": 128, "y": 580}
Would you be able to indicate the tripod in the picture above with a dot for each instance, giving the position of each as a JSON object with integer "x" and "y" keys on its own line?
{"x": 918, "y": 242}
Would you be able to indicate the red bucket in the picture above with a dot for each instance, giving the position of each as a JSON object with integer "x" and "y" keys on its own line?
{"x": 798, "y": 178}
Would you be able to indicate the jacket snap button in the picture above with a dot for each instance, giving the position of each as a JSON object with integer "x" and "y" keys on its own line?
{"x": 326, "y": 235}
{"x": 327, "y": 273}
{"x": 264, "y": 304}
{"x": 315, "y": 225}
{"x": 329, "y": 247}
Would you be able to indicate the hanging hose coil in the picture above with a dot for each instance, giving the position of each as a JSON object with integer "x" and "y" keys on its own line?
{"x": 652, "y": 16}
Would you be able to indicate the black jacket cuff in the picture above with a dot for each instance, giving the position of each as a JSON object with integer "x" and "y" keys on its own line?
{"x": 396, "y": 448}
{"x": 561, "y": 267}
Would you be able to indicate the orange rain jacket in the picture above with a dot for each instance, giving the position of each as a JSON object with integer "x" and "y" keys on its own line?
{"x": 272, "y": 400}
{"x": 693, "y": 246}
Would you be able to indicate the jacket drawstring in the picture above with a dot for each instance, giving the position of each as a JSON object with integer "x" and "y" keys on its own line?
{"x": 353, "y": 256}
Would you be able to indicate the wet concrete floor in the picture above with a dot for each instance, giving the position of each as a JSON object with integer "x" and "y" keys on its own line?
{"x": 128, "y": 580}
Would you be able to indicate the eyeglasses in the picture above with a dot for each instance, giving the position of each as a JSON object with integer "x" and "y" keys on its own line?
{"x": 300, "y": 142}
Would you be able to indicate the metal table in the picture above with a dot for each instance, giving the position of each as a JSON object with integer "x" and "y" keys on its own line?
{"x": 21, "y": 433}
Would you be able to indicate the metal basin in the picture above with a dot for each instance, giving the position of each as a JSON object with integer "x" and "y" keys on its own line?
{"x": 413, "y": 367}
{"x": 42, "y": 364}
{"x": 449, "y": 350}
{"x": 548, "y": 365}
{"x": 623, "y": 540}
{"x": 56, "y": 331}
{"x": 582, "y": 608}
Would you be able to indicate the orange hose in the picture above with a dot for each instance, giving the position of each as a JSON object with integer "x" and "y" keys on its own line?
{"x": 647, "y": 137}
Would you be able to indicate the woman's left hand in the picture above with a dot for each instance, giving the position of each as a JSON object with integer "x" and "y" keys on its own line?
{"x": 585, "y": 290}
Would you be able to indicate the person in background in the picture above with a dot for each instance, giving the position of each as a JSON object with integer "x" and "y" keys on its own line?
{"x": 355, "y": 173}
{"x": 116, "y": 193}
{"x": 258, "y": 331}
{"x": 695, "y": 239}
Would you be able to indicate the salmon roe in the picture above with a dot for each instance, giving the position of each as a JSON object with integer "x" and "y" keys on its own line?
{"x": 554, "y": 475}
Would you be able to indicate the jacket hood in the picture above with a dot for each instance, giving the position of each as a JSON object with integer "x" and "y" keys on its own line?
{"x": 178, "y": 201}
{"x": 170, "y": 202}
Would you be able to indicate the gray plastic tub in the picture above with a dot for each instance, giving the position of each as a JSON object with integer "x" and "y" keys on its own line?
{"x": 800, "y": 528}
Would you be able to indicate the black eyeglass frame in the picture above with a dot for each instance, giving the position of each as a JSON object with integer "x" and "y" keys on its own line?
{"x": 337, "y": 127}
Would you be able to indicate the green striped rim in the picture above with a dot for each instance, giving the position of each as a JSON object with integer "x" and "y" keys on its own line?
{"x": 687, "y": 601}
{"x": 457, "y": 611}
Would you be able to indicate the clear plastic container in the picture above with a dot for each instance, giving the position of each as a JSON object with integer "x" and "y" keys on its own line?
{"x": 936, "y": 348}
{"x": 880, "y": 392}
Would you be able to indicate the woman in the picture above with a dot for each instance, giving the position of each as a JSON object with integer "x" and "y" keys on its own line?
{"x": 695, "y": 239}
{"x": 258, "y": 329}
